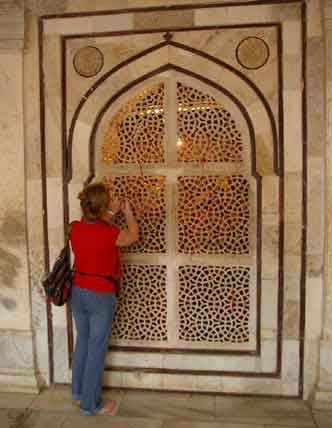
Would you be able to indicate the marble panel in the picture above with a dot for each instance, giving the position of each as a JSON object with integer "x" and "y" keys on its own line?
{"x": 314, "y": 305}
{"x": 291, "y": 319}
{"x": 68, "y": 26}
{"x": 11, "y": 20}
{"x": 229, "y": 15}
{"x": 292, "y": 265}
{"x": 268, "y": 355}
{"x": 208, "y": 362}
{"x": 54, "y": 203}
{"x": 134, "y": 359}
{"x": 167, "y": 19}
{"x": 315, "y": 205}
{"x": 41, "y": 353}
{"x": 291, "y": 34}
{"x": 208, "y": 383}
{"x": 269, "y": 316}
{"x": 53, "y": 121}
{"x": 293, "y": 130}
{"x": 292, "y": 72}
{"x": 316, "y": 93}
{"x": 61, "y": 364}
{"x": 292, "y": 288}
{"x": 123, "y": 22}
{"x": 270, "y": 251}
{"x": 113, "y": 379}
{"x": 290, "y": 362}
{"x": 249, "y": 386}
{"x": 114, "y": 49}
{"x": 16, "y": 350}
{"x": 325, "y": 364}
{"x": 142, "y": 380}
{"x": 31, "y": 101}
{"x": 293, "y": 198}
{"x": 80, "y": 150}
{"x": 75, "y": 188}
{"x": 293, "y": 239}
{"x": 315, "y": 19}
{"x": 43, "y": 7}
{"x": 314, "y": 265}
{"x": 311, "y": 360}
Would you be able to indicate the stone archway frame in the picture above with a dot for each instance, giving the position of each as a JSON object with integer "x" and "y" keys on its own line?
{"x": 302, "y": 7}
{"x": 89, "y": 124}
{"x": 240, "y": 86}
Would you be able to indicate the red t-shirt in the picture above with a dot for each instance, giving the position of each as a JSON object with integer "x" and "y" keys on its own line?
{"x": 94, "y": 248}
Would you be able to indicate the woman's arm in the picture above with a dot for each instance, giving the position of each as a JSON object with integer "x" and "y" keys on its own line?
{"x": 129, "y": 235}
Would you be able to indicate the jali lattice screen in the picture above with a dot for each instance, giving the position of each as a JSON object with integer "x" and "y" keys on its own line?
{"x": 181, "y": 214}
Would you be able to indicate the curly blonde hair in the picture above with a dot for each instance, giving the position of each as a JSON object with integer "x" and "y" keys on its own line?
{"x": 94, "y": 201}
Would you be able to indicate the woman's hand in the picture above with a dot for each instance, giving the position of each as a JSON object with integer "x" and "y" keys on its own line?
{"x": 126, "y": 208}
{"x": 114, "y": 205}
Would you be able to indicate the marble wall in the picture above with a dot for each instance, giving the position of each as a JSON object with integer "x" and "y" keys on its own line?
{"x": 323, "y": 396}
{"x": 17, "y": 366}
{"x": 24, "y": 320}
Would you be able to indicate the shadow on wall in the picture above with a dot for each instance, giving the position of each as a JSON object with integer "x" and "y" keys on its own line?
{"x": 12, "y": 234}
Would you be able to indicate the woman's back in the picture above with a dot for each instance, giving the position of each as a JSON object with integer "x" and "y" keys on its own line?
{"x": 93, "y": 245}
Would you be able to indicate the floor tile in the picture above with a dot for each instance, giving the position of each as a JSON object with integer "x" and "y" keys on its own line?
{"x": 59, "y": 399}
{"x": 42, "y": 419}
{"x": 12, "y": 418}
{"x": 260, "y": 407}
{"x": 168, "y": 405}
{"x": 10, "y": 400}
{"x": 264, "y": 411}
{"x": 220, "y": 424}
{"x": 323, "y": 419}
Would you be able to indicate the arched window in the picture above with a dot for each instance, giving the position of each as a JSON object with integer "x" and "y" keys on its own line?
{"x": 181, "y": 152}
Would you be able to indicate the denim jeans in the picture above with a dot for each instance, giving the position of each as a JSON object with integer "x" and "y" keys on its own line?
{"x": 93, "y": 313}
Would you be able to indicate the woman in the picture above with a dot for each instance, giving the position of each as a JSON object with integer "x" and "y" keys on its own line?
{"x": 95, "y": 241}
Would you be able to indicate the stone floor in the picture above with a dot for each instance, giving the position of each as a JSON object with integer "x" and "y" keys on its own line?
{"x": 53, "y": 409}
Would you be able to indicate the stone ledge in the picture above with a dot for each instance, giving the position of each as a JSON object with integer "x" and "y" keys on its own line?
{"x": 25, "y": 383}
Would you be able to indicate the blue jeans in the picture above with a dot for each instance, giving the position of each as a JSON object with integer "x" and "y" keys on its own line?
{"x": 93, "y": 313}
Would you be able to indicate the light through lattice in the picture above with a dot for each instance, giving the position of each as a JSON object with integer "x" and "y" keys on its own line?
{"x": 136, "y": 132}
{"x": 142, "y": 307}
{"x": 147, "y": 197}
{"x": 213, "y": 215}
{"x": 206, "y": 130}
{"x": 214, "y": 304}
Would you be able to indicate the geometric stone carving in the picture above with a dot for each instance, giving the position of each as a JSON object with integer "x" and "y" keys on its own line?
{"x": 88, "y": 61}
{"x": 136, "y": 132}
{"x": 214, "y": 304}
{"x": 142, "y": 307}
{"x": 213, "y": 215}
{"x": 252, "y": 53}
{"x": 206, "y": 130}
{"x": 147, "y": 197}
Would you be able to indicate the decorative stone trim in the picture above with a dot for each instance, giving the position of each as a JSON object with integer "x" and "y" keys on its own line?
{"x": 11, "y": 24}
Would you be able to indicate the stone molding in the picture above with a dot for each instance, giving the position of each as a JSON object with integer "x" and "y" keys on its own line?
{"x": 11, "y": 24}
{"x": 328, "y": 14}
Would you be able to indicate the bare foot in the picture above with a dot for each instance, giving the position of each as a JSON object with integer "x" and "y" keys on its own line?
{"x": 109, "y": 409}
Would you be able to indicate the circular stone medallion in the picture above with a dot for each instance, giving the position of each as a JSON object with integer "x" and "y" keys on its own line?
{"x": 88, "y": 61}
{"x": 252, "y": 53}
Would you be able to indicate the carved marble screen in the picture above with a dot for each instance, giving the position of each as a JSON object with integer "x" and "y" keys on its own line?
{"x": 180, "y": 152}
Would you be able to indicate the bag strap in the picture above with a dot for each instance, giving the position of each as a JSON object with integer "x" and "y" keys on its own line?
{"x": 108, "y": 277}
